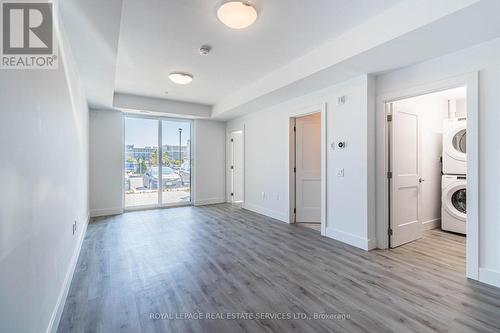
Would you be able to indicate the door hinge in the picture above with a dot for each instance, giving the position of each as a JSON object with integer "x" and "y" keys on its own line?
{"x": 232, "y": 194}
{"x": 389, "y": 232}
{"x": 294, "y": 129}
{"x": 294, "y": 169}
{"x": 389, "y": 117}
{"x": 232, "y": 167}
{"x": 389, "y": 174}
{"x": 295, "y": 210}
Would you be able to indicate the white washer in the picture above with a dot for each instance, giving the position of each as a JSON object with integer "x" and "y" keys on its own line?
{"x": 454, "y": 209}
{"x": 454, "y": 146}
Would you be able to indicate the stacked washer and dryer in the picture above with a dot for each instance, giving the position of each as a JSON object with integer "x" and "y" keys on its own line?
{"x": 454, "y": 182}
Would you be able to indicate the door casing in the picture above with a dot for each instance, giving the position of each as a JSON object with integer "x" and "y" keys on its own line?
{"x": 304, "y": 111}
{"x": 470, "y": 80}
{"x": 234, "y": 198}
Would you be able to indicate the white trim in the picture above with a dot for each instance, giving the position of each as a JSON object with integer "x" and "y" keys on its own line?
{"x": 431, "y": 224}
{"x": 324, "y": 152}
{"x": 211, "y": 201}
{"x": 265, "y": 211}
{"x": 470, "y": 80}
{"x": 291, "y": 175}
{"x": 300, "y": 112}
{"x": 63, "y": 293}
{"x": 231, "y": 160}
{"x": 106, "y": 211}
{"x": 350, "y": 239}
{"x": 489, "y": 276}
{"x": 228, "y": 178}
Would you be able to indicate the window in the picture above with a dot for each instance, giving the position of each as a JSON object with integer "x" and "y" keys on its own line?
{"x": 149, "y": 144}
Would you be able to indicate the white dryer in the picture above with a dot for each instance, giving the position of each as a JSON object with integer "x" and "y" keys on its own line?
{"x": 454, "y": 146}
{"x": 454, "y": 208}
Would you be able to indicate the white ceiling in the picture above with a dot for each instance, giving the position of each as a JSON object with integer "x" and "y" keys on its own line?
{"x": 125, "y": 49}
{"x": 415, "y": 39}
{"x": 161, "y": 36}
{"x": 92, "y": 27}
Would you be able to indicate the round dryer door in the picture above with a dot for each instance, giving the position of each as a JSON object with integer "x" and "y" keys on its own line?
{"x": 456, "y": 142}
{"x": 459, "y": 141}
{"x": 455, "y": 200}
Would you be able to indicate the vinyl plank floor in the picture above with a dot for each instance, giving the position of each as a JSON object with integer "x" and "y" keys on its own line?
{"x": 168, "y": 270}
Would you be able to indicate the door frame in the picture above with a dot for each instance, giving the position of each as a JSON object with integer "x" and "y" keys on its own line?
{"x": 318, "y": 108}
{"x": 229, "y": 131}
{"x": 231, "y": 159}
{"x": 470, "y": 80}
{"x": 160, "y": 203}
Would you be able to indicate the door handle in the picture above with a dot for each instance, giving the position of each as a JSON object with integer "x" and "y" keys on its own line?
{"x": 420, "y": 180}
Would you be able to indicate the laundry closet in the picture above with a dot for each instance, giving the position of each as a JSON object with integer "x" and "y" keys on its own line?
{"x": 427, "y": 162}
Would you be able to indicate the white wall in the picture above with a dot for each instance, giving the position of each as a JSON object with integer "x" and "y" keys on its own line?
{"x": 44, "y": 188}
{"x": 267, "y": 155}
{"x": 209, "y": 162}
{"x": 461, "y": 107}
{"x": 484, "y": 58}
{"x": 160, "y": 106}
{"x": 106, "y": 162}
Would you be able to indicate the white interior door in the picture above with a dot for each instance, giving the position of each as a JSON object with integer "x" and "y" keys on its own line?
{"x": 308, "y": 168}
{"x": 405, "y": 150}
{"x": 237, "y": 166}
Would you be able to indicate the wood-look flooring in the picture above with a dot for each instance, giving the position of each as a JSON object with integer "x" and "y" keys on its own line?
{"x": 314, "y": 226}
{"x": 220, "y": 259}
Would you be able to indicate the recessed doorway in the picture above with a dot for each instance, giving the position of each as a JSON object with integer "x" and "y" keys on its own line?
{"x": 307, "y": 170}
{"x": 427, "y": 176}
{"x": 427, "y": 157}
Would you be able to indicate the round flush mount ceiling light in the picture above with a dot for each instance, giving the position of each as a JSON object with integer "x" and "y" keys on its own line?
{"x": 180, "y": 78}
{"x": 237, "y": 14}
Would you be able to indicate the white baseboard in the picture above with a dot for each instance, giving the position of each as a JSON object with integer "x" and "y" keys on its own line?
{"x": 63, "y": 294}
{"x": 348, "y": 238}
{"x": 264, "y": 211}
{"x": 431, "y": 224}
{"x": 106, "y": 211}
{"x": 212, "y": 201}
{"x": 372, "y": 244}
{"x": 489, "y": 276}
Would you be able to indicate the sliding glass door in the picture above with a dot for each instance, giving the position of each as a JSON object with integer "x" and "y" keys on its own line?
{"x": 141, "y": 149}
{"x": 176, "y": 161}
{"x": 157, "y": 162}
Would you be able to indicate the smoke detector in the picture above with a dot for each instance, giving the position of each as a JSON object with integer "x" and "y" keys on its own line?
{"x": 205, "y": 49}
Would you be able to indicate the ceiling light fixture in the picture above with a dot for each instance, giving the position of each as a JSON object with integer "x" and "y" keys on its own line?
{"x": 237, "y": 14}
{"x": 180, "y": 78}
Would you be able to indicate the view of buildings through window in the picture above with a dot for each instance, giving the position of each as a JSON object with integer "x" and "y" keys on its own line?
{"x": 142, "y": 161}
